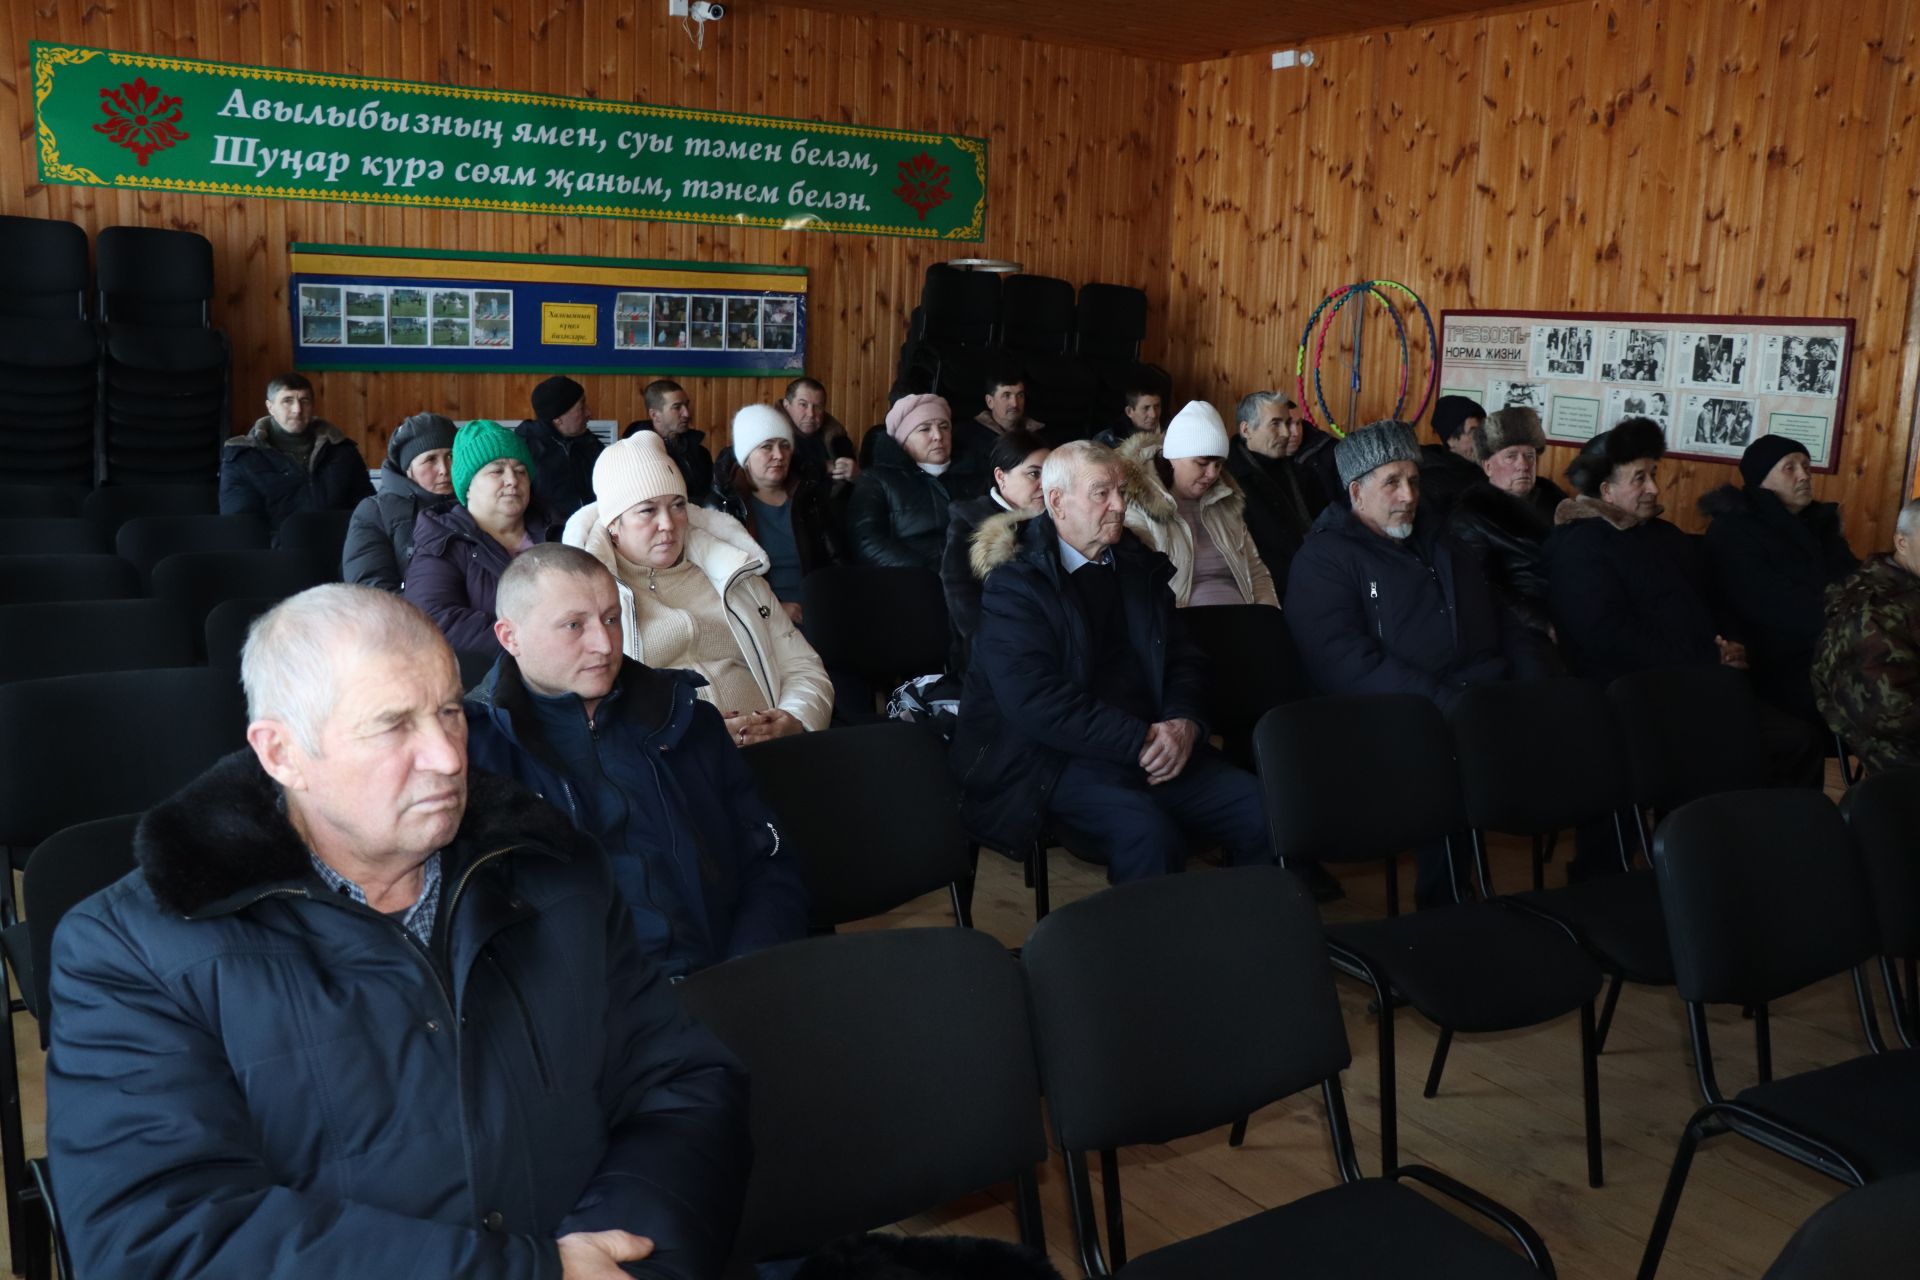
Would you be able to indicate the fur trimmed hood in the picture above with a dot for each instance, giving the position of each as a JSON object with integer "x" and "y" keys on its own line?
{"x": 996, "y": 541}
{"x": 1581, "y": 507}
{"x": 1137, "y": 454}
{"x": 226, "y": 833}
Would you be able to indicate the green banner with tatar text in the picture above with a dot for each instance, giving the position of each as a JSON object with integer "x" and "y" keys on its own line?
{"x": 112, "y": 119}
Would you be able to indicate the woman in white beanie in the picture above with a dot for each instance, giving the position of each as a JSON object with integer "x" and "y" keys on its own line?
{"x": 755, "y": 481}
{"x": 693, "y": 595}
{"x": 1181, "y": 502}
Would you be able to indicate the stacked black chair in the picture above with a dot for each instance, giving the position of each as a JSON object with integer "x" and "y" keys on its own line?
{"x": 1864, "y": 1234}
{"x": 903, "y": 839}
{"x": 164, "y": 371}
{"x": 318, "y": 537}
{"x": 1764, "y": 897}
{"x": 1473, "y": 966}
{"x": 145, "y": 541}
{"x": 1252, "y": 667}
{"x": 34, "y": 579}
{"x": 1515, "y": 786}
{"x": 893, "y": 1072}
{"x": 32, "y": 500}
{"x": 49, "y": 356}
{"x": 1112, "y": 328}
{"x": 946, "y": 349}
{"x": 111, "y": 506}
{"x": 199, "y": 580}
{"x": 876, "y": 627}
{"x": 51, "y": 535}
{"x": 1039, "y": 333}
{"x": 74, "y": 637}
{"x": 1167, "y": 1007}
{"x": 1883, "y": 813}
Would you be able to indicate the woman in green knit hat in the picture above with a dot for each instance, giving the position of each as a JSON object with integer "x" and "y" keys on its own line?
{"x": 459, "y": 553}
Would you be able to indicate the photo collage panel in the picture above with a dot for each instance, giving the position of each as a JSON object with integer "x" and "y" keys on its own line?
{"x": 704, "y": 322}
{"x": 405, "y": 316}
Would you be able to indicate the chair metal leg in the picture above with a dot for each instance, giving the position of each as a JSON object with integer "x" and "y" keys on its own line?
{"x": 1670, "y": 1200}
{"x": 13, "y": 1154}
{"x": 1590, "y": 1086}
{"x": 1238, "y": 1134}
{"x": 1439, "y": 1062}
{"x": 1086, "y": 1231}
{"x": 1763, "y": 1044}
{"x": 1389, "y": 1105}
{"x": 1026, "y": 1211}
{"x": 1606, "y": 1013}
{"x": 1539, "y": 864}
{"x": 962, "y": 893}
{"x": 1110, "y": 1194}
{"x": 1393, "y": 887}
{"x": 1037, "y": 869}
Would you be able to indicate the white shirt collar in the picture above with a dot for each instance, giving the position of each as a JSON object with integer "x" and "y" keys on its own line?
{"x": 1071, "y": 559}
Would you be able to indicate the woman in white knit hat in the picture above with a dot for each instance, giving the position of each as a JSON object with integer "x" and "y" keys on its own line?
{"x": 756, "y": 482}
{"x": 1181, "y": 501}
{"x": 693, "y": 595}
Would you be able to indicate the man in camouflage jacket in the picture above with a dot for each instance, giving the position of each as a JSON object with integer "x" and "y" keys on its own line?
{"x": 1866, "y": 670}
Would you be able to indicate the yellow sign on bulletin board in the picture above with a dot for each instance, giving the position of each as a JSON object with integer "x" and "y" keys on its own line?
{"x": 569, "y": 324}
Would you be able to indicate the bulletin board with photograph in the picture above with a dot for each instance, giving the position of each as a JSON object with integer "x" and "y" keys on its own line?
{"x": 1715, "y": 384}
{"x": 365, "y": 308}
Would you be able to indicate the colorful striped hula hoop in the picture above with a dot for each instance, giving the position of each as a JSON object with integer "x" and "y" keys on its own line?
{"x": 1323, "y": 315}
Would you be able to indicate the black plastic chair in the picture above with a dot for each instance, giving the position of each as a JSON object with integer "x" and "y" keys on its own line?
{"x": 1167, "y": 1007}
{"x": 1764, "y": 897}
{"x": 1883, "y": 815}
{"x": 46, "y": 268}
{"x": 319, "y": 537}
{"x": 51, "y": 536}
{"x": 113, "y": 505}
{"x": 902, "y": 840}
{"x": 1689, "y": 732}
{"x": 882, "y": 626}
{"x": 199, "y": 580}
{"x": 1038, "y": 314}
{"x": 30, "y": 500}
{"x": 74, "y": 637}
{"x": 1112, "y": 322}
{"x": 1466, "y": 966}
{"x": 893, "y": 1072}
{"x": 43, "y": 579}
{"x": 144, "y": 541}
{"x": 226, "y": 631}
{"x": 1864, "y": 1234}
{"x": 1253, "y": 666}
{"x": 154, "y": 276}
{"x": 1538, "y": 757}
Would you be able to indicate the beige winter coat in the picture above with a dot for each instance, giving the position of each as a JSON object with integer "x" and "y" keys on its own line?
{"x": 1154, "y": 517}
{"x": 783, "y": 664}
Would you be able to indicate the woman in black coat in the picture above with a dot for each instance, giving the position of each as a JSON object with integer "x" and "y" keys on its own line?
{"x": 1016, "y": 458}
{"x": 1507, "y": 517}
{"x": 417, "y": 476}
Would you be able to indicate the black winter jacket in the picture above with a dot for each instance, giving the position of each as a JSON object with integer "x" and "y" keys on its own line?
{"x": 252, "y": 1075}
{"x": 1279, "y": 505}
{"x": 897, "y": 516}
{"x": 1372, "y": 615}
{"x": 1026, "y": 708}
{"x": 958, "y": 580}
{"x": 1627, "y": 594}
{"x": 380, "y": 534}
{"x": 1510, "y": 536}
{"x": 562, "y": 466}
{"x": 258, "y": 479}
{"x": 1772, "y": 569}
{"x": 1444, "y": 476}
{"x": 815, "y": 531}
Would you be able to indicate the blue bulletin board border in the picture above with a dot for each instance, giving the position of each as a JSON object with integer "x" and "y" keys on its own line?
{"x": 382, "y": 309}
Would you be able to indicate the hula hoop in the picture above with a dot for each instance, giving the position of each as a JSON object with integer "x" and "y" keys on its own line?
{"x": 1326, "y": 326}
{"x": 1337, "y": 298}
{"x": 1433, "y": 346}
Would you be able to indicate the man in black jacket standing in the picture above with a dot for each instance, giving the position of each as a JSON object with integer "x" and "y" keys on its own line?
{"x": 1774, "y": 552}
{"x": 1082, "y": 702}
{"x": 563, "y": 450}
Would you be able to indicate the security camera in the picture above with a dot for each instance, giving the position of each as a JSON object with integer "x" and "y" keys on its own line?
{"x": 705, "y": 11}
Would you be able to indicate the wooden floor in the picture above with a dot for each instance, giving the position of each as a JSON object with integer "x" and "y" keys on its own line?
{"x": 1507, "y": 1120}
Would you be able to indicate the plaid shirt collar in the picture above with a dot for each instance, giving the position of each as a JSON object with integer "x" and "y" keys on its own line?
{"x": 417, "y": 919}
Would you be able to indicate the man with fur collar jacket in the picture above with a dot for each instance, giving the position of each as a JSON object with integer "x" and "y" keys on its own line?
{"x": 362, "y": 1012}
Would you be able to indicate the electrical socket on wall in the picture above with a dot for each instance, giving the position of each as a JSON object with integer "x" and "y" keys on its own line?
{"x": 1292, "y": 57}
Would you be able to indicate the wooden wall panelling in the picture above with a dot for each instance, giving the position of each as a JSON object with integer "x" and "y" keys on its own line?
{"x": 1663, "y": 155}
{"x": 1081, "y": 143}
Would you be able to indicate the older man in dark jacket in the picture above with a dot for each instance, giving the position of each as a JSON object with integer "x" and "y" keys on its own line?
{"x": 635, "y": 759}
{"x": 1082, "y": 706}
{"x": 360, "y": 1013}
{"x": 1774, "y": 552}
{"x": 291, "y": 460}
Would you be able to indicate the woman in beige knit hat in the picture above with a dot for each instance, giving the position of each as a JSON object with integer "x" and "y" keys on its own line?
{"x": 694, "y": 595}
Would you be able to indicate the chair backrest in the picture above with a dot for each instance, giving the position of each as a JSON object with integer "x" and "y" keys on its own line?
{"x": 960, "y": 307}
{"x": 1762, "y": 893}
{"x": 893, "y": 1072}
{"x": 474, "y": 666}
{"x": 1883, "y": 814}
{"x": 1354, "y": 778}
{"x": 226, "y": 631}
{"x": 1112, "y": 321}
{"x": 199, "y": 580}
{"x": 113, "y": 505}
{"x": 34, "y": 579}
{"x": 1689, "y": 732}
{"x": 1538, "y": 756}
{"x": 144, "y": 541}
{"x": 154, "y": 276}
{"x": 51, "y": 536}
{"x": 1168, "y": 1006}
{"x": 1039, "y": 314}
{"x": 74, "y": 637}
{"x": 886, "y": 624}
{"x": 320, "y": 537}
{"x": 903, "y": 839}
{"x": 46, "y": 268}
{"x": 66, "y": 869}
{"x": 1863, "y": 1234}
{"x": 1253, "y": 665}
{"x": 28, "y": 500}
{"x": 84, "y": 747}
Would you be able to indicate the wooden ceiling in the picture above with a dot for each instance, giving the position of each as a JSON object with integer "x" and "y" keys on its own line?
{"x": 1174, "y": 30}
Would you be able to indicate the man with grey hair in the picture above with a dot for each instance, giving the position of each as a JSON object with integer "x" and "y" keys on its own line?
{"x": 1380, "y": 600}
{"x": 1866, "y": 667}
{"x": 1262, "y": 459}
{"x": 360, "y": 1012}
{"x": 1082, "y": 707}
{"x": 636, "y": 760}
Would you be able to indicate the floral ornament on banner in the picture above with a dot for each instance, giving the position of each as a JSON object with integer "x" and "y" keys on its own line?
{"x": 141, "y": 118}
{"x": 923, "y": 184}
